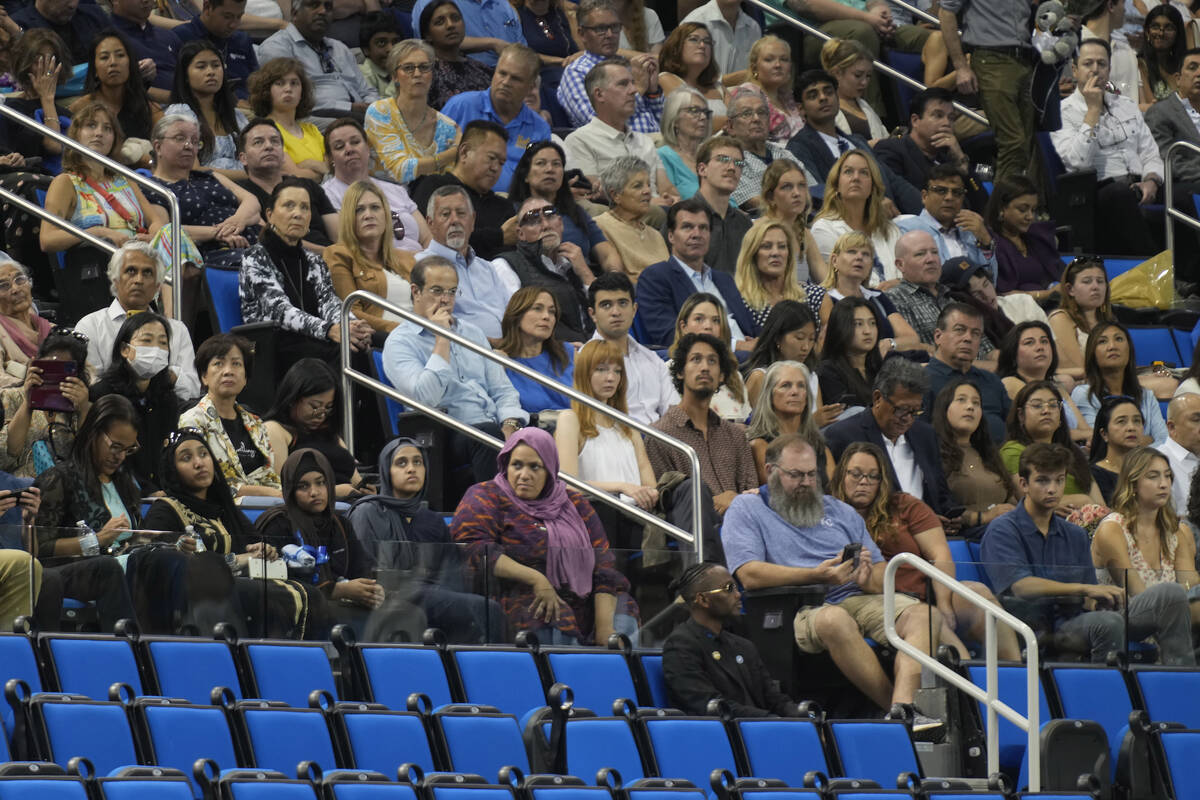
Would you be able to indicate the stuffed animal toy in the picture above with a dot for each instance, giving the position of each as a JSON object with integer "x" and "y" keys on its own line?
{"x": 1055, "y": 37}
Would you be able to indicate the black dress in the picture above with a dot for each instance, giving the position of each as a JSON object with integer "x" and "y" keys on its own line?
{"x": 455, "y": 77}
{"x": 158, "y": 413}
{"x": 204, "y": 201}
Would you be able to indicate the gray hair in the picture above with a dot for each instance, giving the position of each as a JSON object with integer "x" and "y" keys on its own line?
{"x": 746, "y": 90}
{"x": 588, "y": 7}
{"x": 446, "y": 191}
{"x": 117, "y": 262}
{"x": 616, "y": 176}
{"x": 8, "y": 261}
{"x": 597, "y": 76}
{"x": 533, "y": 62}
{"x": 417, "y": 277}
{"x": 402, "y": 50}
{"x": 765, "y": 422}
{"x": 676, "y": 100}
{"x": 898, "y": 372}
{"x": 163, "y": 125}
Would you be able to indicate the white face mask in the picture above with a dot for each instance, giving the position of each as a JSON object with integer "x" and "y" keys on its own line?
{"x": 149, "y": 361}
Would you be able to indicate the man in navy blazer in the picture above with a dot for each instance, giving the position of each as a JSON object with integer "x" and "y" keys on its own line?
{"x": 908, "y": 443}
{"x": 663, "y": 287}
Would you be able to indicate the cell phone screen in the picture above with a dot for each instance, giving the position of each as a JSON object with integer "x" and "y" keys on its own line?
{"x": 49, "y": 396}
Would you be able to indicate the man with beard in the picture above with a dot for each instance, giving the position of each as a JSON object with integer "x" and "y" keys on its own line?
{"x": 790, "y": 534}
{"x": 482, "y": 294}
{"x": 702, "y": 661}
{"x": 543, "y": 259}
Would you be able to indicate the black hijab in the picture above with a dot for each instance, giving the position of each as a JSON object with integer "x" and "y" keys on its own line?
{"x": 218, "y": 505}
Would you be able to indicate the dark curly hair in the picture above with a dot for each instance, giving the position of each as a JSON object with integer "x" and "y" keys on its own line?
{"x": 683, "y": 349}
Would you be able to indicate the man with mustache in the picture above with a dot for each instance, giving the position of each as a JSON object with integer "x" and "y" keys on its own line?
{"x": 791, "y": 534}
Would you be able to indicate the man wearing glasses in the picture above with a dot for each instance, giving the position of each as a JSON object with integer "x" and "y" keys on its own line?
{"x": 730, "y": 35}
{"x": 959, "y": 232}
{"x": 719, "y": 163}
{"x": 749, "y": 121}
{"x": 792, "y": 534}
{"x": 910, "y": 444}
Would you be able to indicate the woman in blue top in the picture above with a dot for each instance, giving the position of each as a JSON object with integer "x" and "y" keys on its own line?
{"x": 527, "y": 336}
{"x": 686, "y": 122}
{"x": 1109, "y": 368}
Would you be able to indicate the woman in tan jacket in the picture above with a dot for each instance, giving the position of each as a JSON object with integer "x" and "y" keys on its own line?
{"x": 364, "y": 258}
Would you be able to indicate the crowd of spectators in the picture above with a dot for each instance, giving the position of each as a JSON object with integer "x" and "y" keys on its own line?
{"x": 869, "y": 338}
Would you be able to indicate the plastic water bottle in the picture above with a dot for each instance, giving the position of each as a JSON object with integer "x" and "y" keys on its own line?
{"x": 190, "y": 530}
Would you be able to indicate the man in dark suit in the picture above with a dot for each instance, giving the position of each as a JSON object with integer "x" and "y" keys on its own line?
{"x": 1176, "y": 118}
{"x": 702, "y": 661}
{"x": 663, "y": 287}
{"x": 910, "y": 444}
{"x": 819, "y": 144}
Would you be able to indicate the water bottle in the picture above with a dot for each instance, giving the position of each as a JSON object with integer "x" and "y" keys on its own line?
{"x": 190, "y": 530}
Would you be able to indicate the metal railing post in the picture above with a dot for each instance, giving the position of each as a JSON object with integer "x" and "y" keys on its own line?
{"x": 1030, "y": 723}
{"x": 349, "y": 374}
{"x": 1169, "y": 194}
{"x": 786, "y": 16}
{"x": 917, "y": 12}
{"x": 154, "y": 186}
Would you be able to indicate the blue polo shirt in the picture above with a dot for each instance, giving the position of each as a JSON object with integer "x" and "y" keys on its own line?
{"x": 1013, "y": 548}
{"x": 996, "y": 401}
{"x": 88, "y": 20}
{"x": 528, "y": 126}
{"x": 496, "y": 19}
{"x": 151, "y": 42}
{"x": 237, "y": 52}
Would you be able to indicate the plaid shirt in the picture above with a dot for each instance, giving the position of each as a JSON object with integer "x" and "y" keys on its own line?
{"x": 575, "y": 102}
{"x": 920, "y": 309}
{"x": 750, "y": 185}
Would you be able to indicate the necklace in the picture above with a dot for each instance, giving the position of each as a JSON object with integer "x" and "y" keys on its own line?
{"x": 419, "y": 125}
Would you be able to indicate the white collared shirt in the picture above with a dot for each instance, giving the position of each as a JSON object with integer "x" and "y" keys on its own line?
{"x": 834, "y": 143}
{"x": 1119, "y": 144}
{"x": 731, "y": 45}
{"x": 904, "y": 462}
{"x": 1183, "y": 464}
{"x": 649, "y": 391}
{"x": 702, "y": 280}
{"x": 597, "y": 144}
{"x": 483, "y": 292}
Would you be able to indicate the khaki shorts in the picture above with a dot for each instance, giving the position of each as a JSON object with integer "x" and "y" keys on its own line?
{"x": 865, "y": 609}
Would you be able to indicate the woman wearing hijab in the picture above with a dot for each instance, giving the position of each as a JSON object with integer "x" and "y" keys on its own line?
{"x": 412, "y": 547}
{"x": 322, "y": 551}
{"x": 197, "y": 502}
{"x": 546, "y": 547}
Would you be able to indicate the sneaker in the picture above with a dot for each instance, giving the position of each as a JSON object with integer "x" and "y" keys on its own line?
{"x": 924, "y": 724}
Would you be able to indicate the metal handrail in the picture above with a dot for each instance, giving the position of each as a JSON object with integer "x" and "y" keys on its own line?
{"x": 917, "y": 12}
{"x": 695, "y": 537}
{"x": 175, "y": 222}
{"x": 1169, "y": 194}
{"x": 38, "y": 211}
{"x": 1030, "y": 723}
{"x": 786, "y": 16}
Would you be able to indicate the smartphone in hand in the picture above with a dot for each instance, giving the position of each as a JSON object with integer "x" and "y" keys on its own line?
{"x": 49, "y": 396}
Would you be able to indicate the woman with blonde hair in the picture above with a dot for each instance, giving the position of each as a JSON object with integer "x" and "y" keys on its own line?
{"x": 704, "y": 313}
{"x": 850, "y": 63}
{"x": 365, "y": 257}
{"x": 850, "y": 276}
{"x": 686, "y": 60}
{"x": 771, "y": 71}
{"x": 854, "y": 201}
{"x": 786, "y": 198}
{"x": 1144, "y": 547}
{"x": 783, "y": 406}
{"x": 686, "y": 122}
{"x": 766, "y": 270}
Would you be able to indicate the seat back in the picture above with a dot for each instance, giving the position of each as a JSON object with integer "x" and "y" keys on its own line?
{"x": 287, "y": 671}
{"x": 392, "y": 673}
{"x": 164, "y": 787}
{"x": 690, "y": 747}
{"x": 1011, "y": 691}
{"x": 380, "y": 741}
{"x": 246, "y": 785}
{"x": 17, "y": 660}
{"x": 1169, "y": 695}
{"x": 390, "y": 409}
{"x": 1152, "y": 344}
{"x": 190, "y": 668}
{"x": 449, "y": 791}
{"x": 224, "y": 297}
{"x": 597, "y": 677}
{"x": 42, "y": 788}
{"x": 597, "y": 742}
{"x": 782, "y": 748}
{"x": 1094, "y": 692}
{"x": 481, "y": 743}
{"x": 178, "y": 735}
{"x": 280, "y": 738}
{"x": 506, "y": 678}
{"x": 1179, "y": 749}
{"x": 89, "y": 665}
{"x": 874, "y": 750}
{"x": 656, "y": 682}
{"x": 70, "y": 727}
{"x": 966, "y": 568}
{"x": 368, "y": 790}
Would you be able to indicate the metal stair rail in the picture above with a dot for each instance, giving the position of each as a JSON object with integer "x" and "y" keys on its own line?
{"x": 154, "y": 186}
{"x": 1030, "y": 723}
{"x": 349, "y": 374}
{"x": 1169, "y": 195}
{"x": 785, "y": 15}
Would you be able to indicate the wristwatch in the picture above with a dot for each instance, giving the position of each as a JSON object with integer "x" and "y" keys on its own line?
{"x": 513, "y": 423}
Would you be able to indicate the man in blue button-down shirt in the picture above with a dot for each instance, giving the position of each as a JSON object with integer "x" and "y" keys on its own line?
{"x": 504, "y": 104}
{"x": 1035, "y": 556}
{"x": 469, "y": 387}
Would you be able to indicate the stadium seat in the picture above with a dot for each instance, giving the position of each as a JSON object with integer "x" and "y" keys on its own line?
{"x": 42, "y": 787}
{"x": 139, "y": 783}
{"x": 565, "y": 789}
{"x": 389, "y": 673}
{"x": 17, "y": 660}
{"x": 1154, "y": 344}
{"x": 465, "y": 787}
{"x": 1011, "y": 691}
{"x": 287, "y": 671}
{"x": 1119, "y": 266}
{"x": 504, "y": 677}
{"x": 224, "y": 298}
{"x": 966, "y": 568}
{"x": 188, "y": 668}
{"x": 66, "y": 726}
{"x": 690, "y": 748}
{"x": 597, "y": 677}
{"x": 782, "y": 748}
{"x": 652, "y": 671}
{"x": 1169, "y": 694}
{"x": 658, "y": 789}
{"x": 1183, "y": 344}
{"x": 480, "y": 740}
{"x": 280, "y": 738}
{"x": 378, "y": 740}
{"x": 1096, "y": 692}
{"x": 594, "y": 743}
{"x": 874, "y": 750}
{"x": 360, "y": 787}
{"x": 264, "y": 785}
{"x": 389, "y": 409}
{"x": 1179, "y": 751}
{"x": 175, "y": 735}
{"x": 909, "y": 64}
{"x": 89, "y": 664}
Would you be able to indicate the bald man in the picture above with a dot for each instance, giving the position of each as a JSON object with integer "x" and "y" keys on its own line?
{"x": 1182, "y": 447}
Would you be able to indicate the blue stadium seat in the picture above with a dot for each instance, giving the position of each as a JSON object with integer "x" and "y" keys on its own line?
{"x": 1179, "y": 750}
{"x": 336, "y": 788}
{"x": 1168, "y": 694}
{"x": 910, "y": 64}
{"x": 874, "y": 750}
{"x": 597, "y": 677}
{"x": 48, "y": 787}
{"x": 597, "y": 742}
{"x": 1183, "y": 343}
{"x": 480, "y": 740}
{"x": 690, "y": 748}
{"x": 222, "y": 285}
{"x": 465, "y": 788}
{"x": 676, "y": 790}
{"x": 1095, "y": 692}
{"x": 134, "y": 785}
{"x": 70, "y": 726}
{"x": 966, "y": 568}
{"x": 1154, "y": 344}
{"x": 507, "y": 678}
{"x": 1119, "y": 266}
{"x": 279, "y": 738}
{"x": 287, "y": 671}
{"x": 390, "y": 673}
{"x": 782, "y": 748}
{"x": 177, "y": 734}
{"x": 89, "y": 665}
{"x": 380, "y": 741}
{"x": 17, "y": 660}
{"x": 652, "y": 669}
{"x": 189, "y": 668}
{"x": 1011, "y": 691}
{"x": 264, "y": 785}
{"x": 391, "y": 408}
{"x": 569, "y": 792}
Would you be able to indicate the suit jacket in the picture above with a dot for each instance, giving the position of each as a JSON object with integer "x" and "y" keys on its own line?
{"x": 903, "y": 157}
{"x": 663, "y": 287}
{"x": 810, "y": 148}
{"x": 1169, "y": 122}
{"x": 921, "y": 438}
{"x": 695, "y": 674}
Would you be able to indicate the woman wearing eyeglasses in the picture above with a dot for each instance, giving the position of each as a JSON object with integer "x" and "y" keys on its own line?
{"x": 749, "y": 111}
{"x": 21, "y": 329}
{"x": 31, "y": 439}
{"x": 139, "y": 371}
{"x": 686, "y": 122}
{"x": 410, "y": 137}
{"x": 900, "y": 523}
{"x": 307, "y": 412}
{"x": 771, "y": 71}
{"x": 686, "y": 60}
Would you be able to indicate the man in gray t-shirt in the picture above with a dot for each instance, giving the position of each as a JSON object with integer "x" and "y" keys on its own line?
{"x": 788, "y": 534}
